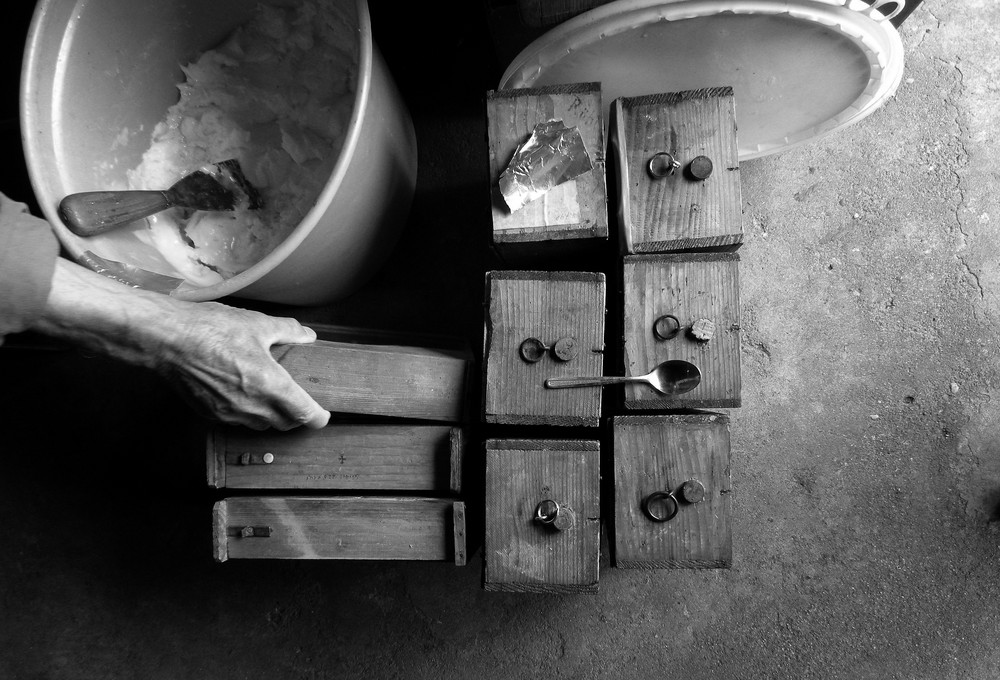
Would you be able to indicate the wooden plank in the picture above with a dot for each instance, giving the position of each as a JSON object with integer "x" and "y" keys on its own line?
{"x": 214, "y": 464}
{"x": 576, "y": 209}
{"x": 220, "y": 543}
{"x": 390, "y": 380}
{"x": 678, "y": 211}
{"x": 383, "y": 336}
{"x": 338, "y": 528}
{"x": 547, "y": 306}
{"x": 660, "y": 453}
{"x": 456, "y": 447}
{"x": 522, "y": 555}
{"x": 402, "y": 457}
{"x": 691, "y": 287}
{"x": 459, "y": 531}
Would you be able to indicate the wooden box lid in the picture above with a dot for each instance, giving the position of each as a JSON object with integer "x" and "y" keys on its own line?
{"x": 687, "y": 457}
{"x": 344, "y": 528}
{"x": 562, "y": 311}
{"x": 526, "y": 547}
{"x": 697, "y": 205}
{"x": 344, "y": 456}
{"x": 701, "y": 292}
{"x": 576, "y": 209}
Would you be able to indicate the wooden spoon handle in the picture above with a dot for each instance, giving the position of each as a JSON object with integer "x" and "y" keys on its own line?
{"x": 95, "y": 212}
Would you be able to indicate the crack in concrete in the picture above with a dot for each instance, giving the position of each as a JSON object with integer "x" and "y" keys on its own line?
{"x": 937, "y": 25}
{"x": 975, "y": 277}
{"x": 961, "y": 160}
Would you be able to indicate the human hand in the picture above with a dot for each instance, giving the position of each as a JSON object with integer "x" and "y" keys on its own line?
{"x": 217, "y": 356}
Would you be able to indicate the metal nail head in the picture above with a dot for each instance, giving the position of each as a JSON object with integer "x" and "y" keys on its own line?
{"x": 566, "y": 349}
{"x": 693, "y": 491}
{"x": 700, "y": 168}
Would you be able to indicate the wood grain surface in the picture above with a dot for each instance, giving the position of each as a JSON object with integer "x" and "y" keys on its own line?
{"x": 355, "y": 528}
{"x": 576, "y": 209}
{"x": 521, "y": 555}
{"x": 689, "y": 286}
{"x": 547, "y": 306}
{"x": 379, "y": 457}
{"x": 385, "y": 380}
{"x": 678, "y": 212}
{"x": 660, "y": 453}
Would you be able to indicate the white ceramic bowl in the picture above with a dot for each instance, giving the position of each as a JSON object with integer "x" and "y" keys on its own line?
{"x": 99, "y": 74}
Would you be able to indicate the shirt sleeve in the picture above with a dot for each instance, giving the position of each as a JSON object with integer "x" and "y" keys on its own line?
{"x": 28, "y": 252}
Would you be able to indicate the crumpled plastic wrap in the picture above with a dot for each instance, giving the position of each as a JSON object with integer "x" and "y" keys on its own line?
{"x": 552, "y": 155}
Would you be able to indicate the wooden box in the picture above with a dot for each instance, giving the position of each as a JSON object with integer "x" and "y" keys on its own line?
{"x": 542, "y": 325}
{"x": 677, "y": 165}
{"x": 373, "y": 457}
{"x": 682, "y": 306}
{"x": 384, "y": 380}
{"x": 573, "y": 210}
{"x": 672, "y": 489}
{"x": 542, "y": 516}
{"x": 346, "y": 528}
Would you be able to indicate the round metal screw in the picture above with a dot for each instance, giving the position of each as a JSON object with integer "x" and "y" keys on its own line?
{"x": 693, "y": 491}
{"x": 662, "y": 164}
{"x": 268, "y": 458}
{"x": 566, "y": 349}
{"x": 700, "y": 168}
{"x": 666, "y": 327}
{"x": 660, "y": 506}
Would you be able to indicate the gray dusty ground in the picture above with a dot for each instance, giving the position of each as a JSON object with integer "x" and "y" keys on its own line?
{"x": 866, "y": 466}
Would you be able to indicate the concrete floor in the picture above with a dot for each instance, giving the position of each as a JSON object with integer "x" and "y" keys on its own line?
{"x": 866, "y": 456}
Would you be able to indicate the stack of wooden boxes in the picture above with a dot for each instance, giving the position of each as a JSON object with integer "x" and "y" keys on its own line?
{"x": 543, "y": 512}
{"x": 367, "y": 486}
{"x": 678, "y": 204}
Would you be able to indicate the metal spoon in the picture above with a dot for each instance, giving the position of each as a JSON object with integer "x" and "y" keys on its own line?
{"x": 671, "y": 377}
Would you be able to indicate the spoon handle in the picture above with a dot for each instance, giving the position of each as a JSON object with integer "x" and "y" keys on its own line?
{"x": 590, "y": 382}
{"x": 95, "y": 212}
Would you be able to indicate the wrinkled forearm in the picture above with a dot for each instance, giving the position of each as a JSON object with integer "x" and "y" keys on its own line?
{"x": 104, "y": 316}
{"x": 217, "y": 356}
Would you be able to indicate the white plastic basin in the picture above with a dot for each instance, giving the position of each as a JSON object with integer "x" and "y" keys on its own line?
{"x": 99, "y": 74}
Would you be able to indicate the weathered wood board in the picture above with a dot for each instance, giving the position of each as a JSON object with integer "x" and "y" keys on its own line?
{"x": 344, "y": 528}
{"x": 691, "y": 287}
{"x": 549, "y": 307}
{"x": 520, "y": 553}
{"x": 392, "y": 457}
{"x": 384, "y": 380}
{"x": 678, "y": 211}
{"x": 659, "y": 454}
{"x": 576, "y": 209}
